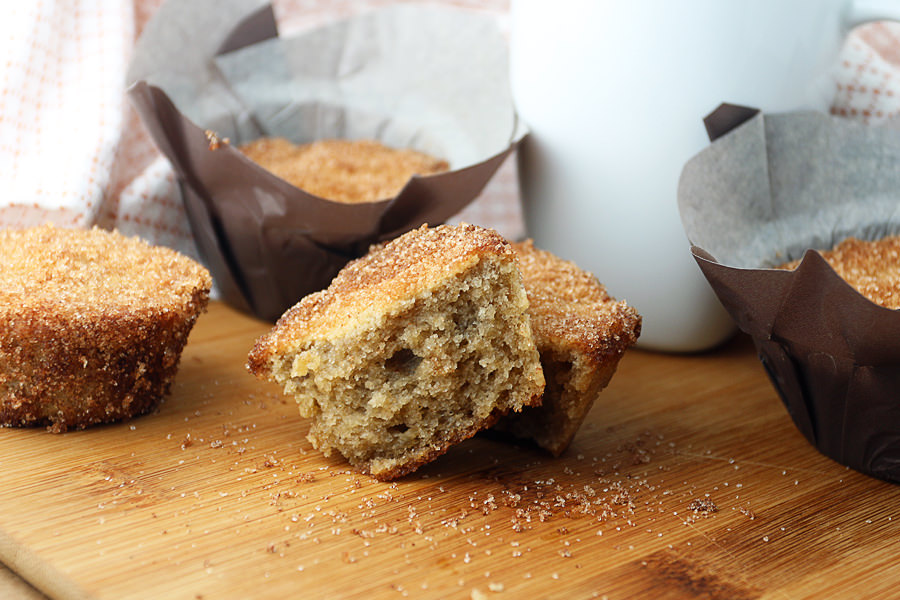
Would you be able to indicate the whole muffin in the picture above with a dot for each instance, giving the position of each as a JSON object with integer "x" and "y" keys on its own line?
{"x": 92, "y": 325}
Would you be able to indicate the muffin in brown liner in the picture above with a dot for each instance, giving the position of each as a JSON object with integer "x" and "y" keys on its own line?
{"x": 269, "y": 243}
{"x": 768, "y": 192}
{"x": 833, "y": 356}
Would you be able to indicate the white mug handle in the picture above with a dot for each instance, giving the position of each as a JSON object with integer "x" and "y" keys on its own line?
{"x": 866, "y": 11}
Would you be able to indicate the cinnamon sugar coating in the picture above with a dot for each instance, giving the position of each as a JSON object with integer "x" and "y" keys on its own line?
{"x": 342, "y": 170}
{"x": 581, "y": 333}
{"x": 872, "y": 268}
{"x": 92, "y": 325}
{"x": 412, "y": 348}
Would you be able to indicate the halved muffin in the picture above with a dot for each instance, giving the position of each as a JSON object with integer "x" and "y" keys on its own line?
{"x": 414, "y": 347}
{"x": 581, "y": 333}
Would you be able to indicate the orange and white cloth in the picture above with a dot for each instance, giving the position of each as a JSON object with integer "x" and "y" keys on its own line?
{"x": 72, "y": 150}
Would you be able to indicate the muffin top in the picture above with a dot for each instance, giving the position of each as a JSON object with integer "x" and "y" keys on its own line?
{"x": 342, "y": 170}
{"x": 872, "y": 268}
{"x": 570, "y": 307}
{"x": 388, "y": 278}
{"x": 92, "y": 271}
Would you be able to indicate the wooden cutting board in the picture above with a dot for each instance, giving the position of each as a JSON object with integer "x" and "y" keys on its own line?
{"x": 688, "y": 480}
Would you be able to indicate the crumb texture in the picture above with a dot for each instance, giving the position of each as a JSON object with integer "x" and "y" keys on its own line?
{"x": 413, "y": 348}
{"x": 92, "y": 324}
{"x": 872, "y": 268}
{"x": 581, "y": 333}
{"x": 342, "y": 170}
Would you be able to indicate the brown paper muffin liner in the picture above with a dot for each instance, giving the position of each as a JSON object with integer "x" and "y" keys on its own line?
{"x": 266, "y": 242}
{"x": 764, "y": 194}
{"x": 832, "y": 355}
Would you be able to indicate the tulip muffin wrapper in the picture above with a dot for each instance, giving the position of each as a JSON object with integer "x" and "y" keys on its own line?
{"x": 405, "y": 76}
{"x": 766, "y": 193}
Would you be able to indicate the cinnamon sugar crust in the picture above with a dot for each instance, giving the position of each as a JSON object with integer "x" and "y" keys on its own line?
{"x": 92, "y": 325}
{"x": 414, "y": 347}
{"x": 343, "y": 170}
{"x": 581, "y": 333}
{"x": 871, "y": 267}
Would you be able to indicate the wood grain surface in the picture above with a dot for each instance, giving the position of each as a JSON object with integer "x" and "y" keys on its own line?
{"x": 13, "y": 587}
{"x": 687, "y": 481}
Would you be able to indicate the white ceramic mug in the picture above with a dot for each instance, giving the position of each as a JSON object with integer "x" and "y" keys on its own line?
{"x": 614, "y": 92}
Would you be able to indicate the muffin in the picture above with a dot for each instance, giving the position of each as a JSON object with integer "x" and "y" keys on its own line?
{"x": 871, "y": 267}
{"x": 581, "y": 332}
{"x": 92, "y": 325}
{"x": 765, "y": 193}
{"x": 414, "y": 347}
{"x": 349, "y": 171}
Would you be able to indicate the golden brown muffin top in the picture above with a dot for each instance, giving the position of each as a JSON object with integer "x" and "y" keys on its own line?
{"x": 388, "y": 278}
{"x": 342, "y": 170}
{"x": 873, "y": 268}
{"x": 569, "y": 307}
{"x": 83, "y": 271}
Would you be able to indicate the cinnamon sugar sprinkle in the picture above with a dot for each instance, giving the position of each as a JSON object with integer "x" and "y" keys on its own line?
{"x": 89, "y": 271}
{"x": 703, "y": 507}
{"x": 546, "y": 517}
{"x": 215, "y": 142}
{"x": 555, "y": 509}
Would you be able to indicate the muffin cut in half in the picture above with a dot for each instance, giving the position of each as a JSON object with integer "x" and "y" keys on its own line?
{"x": 414, "y": 347}
{"x": 581, "y": 333}
{"x": 92, "y": 324}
